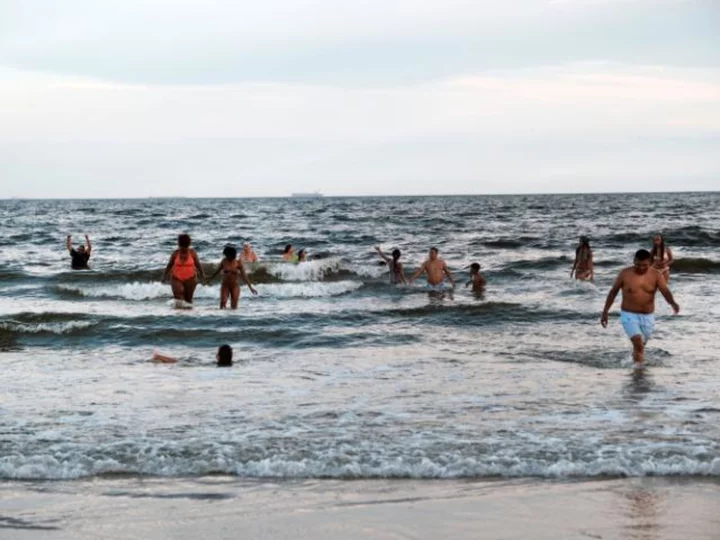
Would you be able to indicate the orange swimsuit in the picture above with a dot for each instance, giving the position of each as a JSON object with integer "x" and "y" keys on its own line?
{"x": 184, "y": 270}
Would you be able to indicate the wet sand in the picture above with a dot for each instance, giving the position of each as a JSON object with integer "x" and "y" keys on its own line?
{"x": 225, "y": 507}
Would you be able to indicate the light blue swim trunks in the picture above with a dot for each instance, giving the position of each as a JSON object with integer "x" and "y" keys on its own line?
{"x": 638, "y": 324}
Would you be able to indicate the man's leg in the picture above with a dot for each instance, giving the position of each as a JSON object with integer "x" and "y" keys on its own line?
{"x": 638, "y": 348}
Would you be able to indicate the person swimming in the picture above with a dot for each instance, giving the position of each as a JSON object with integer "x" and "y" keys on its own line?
{"x": 223, "y": 357}
{"x": 248, "y": 255}
{"x": 301, "y": 256}
{"x": 397, "y": 275}
{"x": 231, "y": 267}
{"x": 185, "y": 266}
{"x": 583, "y": 267}
{"x": 477, "y": 280}
{"x": 81, "y": 255}
{"x": 662, "y": 256}
{"x": 289, "y": 254}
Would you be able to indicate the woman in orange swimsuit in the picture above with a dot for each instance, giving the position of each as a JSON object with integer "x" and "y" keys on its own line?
{"x": 185, "y": 267}
{"x": 232, "y": 268}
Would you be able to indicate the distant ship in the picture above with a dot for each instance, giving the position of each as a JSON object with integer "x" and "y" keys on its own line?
{"x": 313, "y": 195}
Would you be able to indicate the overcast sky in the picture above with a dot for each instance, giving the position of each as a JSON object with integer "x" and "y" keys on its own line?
{"x": 139, "y": 98}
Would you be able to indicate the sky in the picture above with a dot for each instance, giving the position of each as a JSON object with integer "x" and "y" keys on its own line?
{"x": 160, "y": 98}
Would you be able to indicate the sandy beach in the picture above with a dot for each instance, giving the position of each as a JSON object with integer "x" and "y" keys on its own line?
{"x": 224, "y": 507}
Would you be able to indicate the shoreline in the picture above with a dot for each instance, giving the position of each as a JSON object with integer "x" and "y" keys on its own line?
{"x": 228, "y": 507}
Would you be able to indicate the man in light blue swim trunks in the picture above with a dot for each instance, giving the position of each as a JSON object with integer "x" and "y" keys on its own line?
{"x": 638, "y": 283}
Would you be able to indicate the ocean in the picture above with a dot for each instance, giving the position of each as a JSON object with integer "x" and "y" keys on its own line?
{"x": 339, "y": 375}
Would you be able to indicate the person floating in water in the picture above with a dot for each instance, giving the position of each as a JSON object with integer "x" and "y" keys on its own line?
{"x": 248, "y": 255}
{"x": 638, "y": 285}
{"x": 231, "y": 268}
{"x": 583, "y": 267}
{"x": 223, "y": 357}
{"x": 301, "y": 256}
{"x": 81, "y": 255}
{"x": 289, "y": 254}
{"x": 477, "y": 280}
{"x": 185, "y": 266}
{"x": 662, "y": 256}
{"x": 436, "y": 270}
{"x": 397, "y": 274}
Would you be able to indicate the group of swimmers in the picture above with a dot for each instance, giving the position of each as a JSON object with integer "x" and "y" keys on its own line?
{"x": 639, "y": 283}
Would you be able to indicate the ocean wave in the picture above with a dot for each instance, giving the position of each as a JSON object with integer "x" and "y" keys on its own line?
{"x": 57, "y": 328}
{"x": 699, "y": 265}
{"x": 172, "y": 459}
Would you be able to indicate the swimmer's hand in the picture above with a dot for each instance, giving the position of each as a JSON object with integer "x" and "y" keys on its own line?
{"x": 252, "y": 290}
{"x": 604, "y": 319}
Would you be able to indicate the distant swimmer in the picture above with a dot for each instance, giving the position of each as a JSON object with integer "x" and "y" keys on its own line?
{"x": 662, "y": 256}
{"x": 583, "y": 267}
{"x": 436, "y": 270}
{"x": 638, "y": 285}
{"x": 289, "y": 254}
{"x": 81, "y": 255}
{"x": 477, "y": 280}
{"x": 301, "y": 256}
{"x": 397, "y": 274}
{"x": 232, "y": 268}
{"x": 248, "y": 255}
{"x": 185, "y": 266}
{"x": 223, "y": 357}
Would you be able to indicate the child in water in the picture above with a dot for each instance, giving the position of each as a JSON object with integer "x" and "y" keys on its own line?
{"x": 231, "y": 268}
{"x": 477, "y": 279}
{"x": 223, "y": 357}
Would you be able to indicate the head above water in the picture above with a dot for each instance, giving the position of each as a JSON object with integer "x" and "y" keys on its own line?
{"x": 80, "y": 249}
{"x": 247, "y": 246}
{"x": 184, "y": 241}
{"x": 433, "y": 253}
{"x": 224, "y": 356}
{"x": 230, "y": 253}
{"x": 302, "y": 255}
{"x": 658, "y": 249}
{"x": 642, "y": 261}
{"x": 288, "y": 249}
{"x": 396, "y": 254}
{"x": 475, "y": 268}
{"x": 584, "y": 241}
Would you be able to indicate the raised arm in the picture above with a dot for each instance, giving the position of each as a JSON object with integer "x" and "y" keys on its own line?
{"x": 169, "y": 266}
{"x": 665, "y": 291}
{"x": 380, "y": 252}
{"x": 88, "y": 245}
{"x": 68, "y": 242}
{"x": 245, "y": 277}
{"x": 611, "y": 298}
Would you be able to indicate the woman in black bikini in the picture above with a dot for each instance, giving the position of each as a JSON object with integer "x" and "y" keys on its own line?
{"x": 231, "y": 268}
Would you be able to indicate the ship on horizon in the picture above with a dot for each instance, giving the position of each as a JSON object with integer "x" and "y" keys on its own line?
{"x": 308, "y": 195}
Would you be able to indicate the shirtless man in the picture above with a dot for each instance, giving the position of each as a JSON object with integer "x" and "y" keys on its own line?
{"x": 248, "y": 255}
{"x": 436, "y": 270}
{"x": 638, "y": 283}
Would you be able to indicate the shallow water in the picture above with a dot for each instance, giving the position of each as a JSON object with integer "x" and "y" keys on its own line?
{"x": 340, "y": 375}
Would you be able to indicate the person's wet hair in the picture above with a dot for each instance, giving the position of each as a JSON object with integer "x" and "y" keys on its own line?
{"x": 658, "y": 251}
{"x": 642, "y": 255}
{"x": 475, "y": 267}
{"x": 225, "y": 354}
{"x": 230, "y": 253}
{"x": 287, "y": 248}
{"x": 434, "y": 249}
{"x": 584, "y": 244}
{"x": 301, "y": 254}
{"x": 396, "y": 254}
{"x": 184, "y": 240}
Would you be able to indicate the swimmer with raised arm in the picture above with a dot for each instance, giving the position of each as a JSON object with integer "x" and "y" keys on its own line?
{"x": 81, "y": 255}
{"x": 232, "y": 268}
{"x": 436, "y": 270}
{"x": 638, "y": 284}
{"x": 397, "y": 275}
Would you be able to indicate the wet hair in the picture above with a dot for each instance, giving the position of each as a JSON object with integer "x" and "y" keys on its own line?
{"x": 287, "y": 248}
{"x": 642, "y": 255}
{"x": 230, "y": 253}
{"x": 434, "y": 249}
{"x": 184, "y": 240}
{"x": 475, "y": 267}
{"x": 584, "y": 244}
{"x": 300, "y": 254}
{"x": 224, "y": 356}
{"x": 658, "y": 251}
{"x": 396, "y": 254}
